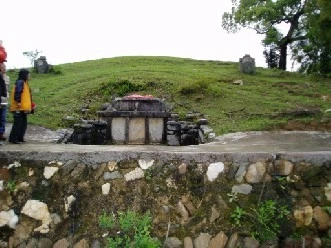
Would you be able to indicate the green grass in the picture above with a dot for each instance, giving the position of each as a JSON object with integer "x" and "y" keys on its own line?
{"x": 186, "y": 84}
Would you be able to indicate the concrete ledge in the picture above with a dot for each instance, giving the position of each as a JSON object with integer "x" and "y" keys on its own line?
{"x": 94, "y": 154}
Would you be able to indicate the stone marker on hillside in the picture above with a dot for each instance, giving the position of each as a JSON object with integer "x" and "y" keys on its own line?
{"x": 41, "y": 65}
{"x": 247, "y": 64}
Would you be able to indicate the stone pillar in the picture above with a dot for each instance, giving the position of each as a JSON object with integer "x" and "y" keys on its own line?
{"x": 173, "y": 133}
{"x": 41, "y": 65}
{"x": 247, "y": 64}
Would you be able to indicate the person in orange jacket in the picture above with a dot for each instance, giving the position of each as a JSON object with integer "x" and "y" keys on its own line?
{"x": 20, "y": 106}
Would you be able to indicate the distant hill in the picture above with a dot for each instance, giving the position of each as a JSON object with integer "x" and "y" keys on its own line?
{"x": 268, "y": 100}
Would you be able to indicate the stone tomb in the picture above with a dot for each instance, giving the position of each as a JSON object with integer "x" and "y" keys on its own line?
{"x": 136, "y": 119}
{"x": 247, "y": 64}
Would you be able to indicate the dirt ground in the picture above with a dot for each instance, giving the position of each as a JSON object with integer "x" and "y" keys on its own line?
{"x": 312, "y": 126}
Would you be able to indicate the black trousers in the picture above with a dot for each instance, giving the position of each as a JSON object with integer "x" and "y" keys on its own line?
{"x": 19, "y": 127}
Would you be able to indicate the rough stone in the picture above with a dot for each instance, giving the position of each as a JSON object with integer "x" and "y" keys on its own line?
{"x": 45, "y": 243}
{"x": 41, "y": 243}
{"x": 68, "y": 167}
{"x": 83, "y": 243}
{"x": 214, "y": 169}
{"x": 316, "y": 242}
{"x": 251, "y": 243}
{"x": 100, "y": 169}
{"x": 327, "y": 190}
{"x": 188, "y": 243}
{"x": 145, "y": 164}
{"x": 188, "y": 204}
{"x": 4, "y": 174}
{"x": 36, "y": 210}
{"x": 232, "y": 243}
{"x": 202, "y": 241}
{"x": 182, "y": 168}
{"x": 33, "y": 243}
{"x": 240, "y": 173}
{"x": 78, "y": 170}
{"x": 96, "y": 244}
{"x": 255, "y": 172}
{"x": 112, "y": 165}
{"x": 284, "y": 167}
{"x": 183, "y": 211}
{"x": 322, "y": 218}
{"x": 242, "y": 189}
{"x": 112, "y": 175}
{"x": 8, "y": 218}
{"x": 219, "y": 241}
{"x": 172, "y": 242}
{"x": 62, "y": 243}
{"x": 22, "y": 232}
{"x": 68, "y": 202}
{"x": 134, "y": 175}
{"x": 214, "y": 214}
{"x": 105, "y": 188}
{"x": 49, "y": 171}
{"x": 303, "y": 216}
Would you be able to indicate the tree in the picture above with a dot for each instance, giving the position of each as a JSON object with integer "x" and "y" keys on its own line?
{"x": 32, "y": 56}
{"x": 266, "y": 17}
{"x": 314, "y": 53}
{"x": 272, "y": 57}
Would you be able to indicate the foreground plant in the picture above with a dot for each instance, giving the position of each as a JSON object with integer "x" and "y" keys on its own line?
{"x": 263, "y": 222}
{"x": 131, "y": 230}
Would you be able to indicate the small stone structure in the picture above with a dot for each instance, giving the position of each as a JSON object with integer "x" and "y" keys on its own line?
{"x": 188, "y": 132}
{"x": 137, "y": 119}
{"x": 41, "y": 66}
{"x": 90, "y": 133}
{"x": 247, "y": 64}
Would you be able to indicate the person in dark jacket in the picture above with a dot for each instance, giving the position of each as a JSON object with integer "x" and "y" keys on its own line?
{"x": 20, "y": 106}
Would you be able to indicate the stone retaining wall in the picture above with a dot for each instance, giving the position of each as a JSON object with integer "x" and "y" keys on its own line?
{"x": 56, "y": 200}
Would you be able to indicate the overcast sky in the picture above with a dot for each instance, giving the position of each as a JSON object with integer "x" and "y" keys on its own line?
{"x": 78, "y": 30}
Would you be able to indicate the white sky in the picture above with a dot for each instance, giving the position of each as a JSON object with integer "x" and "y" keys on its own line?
{"x": 78, "y": 30}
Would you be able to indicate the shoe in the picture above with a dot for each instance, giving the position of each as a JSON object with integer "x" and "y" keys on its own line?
{"x": 14, "y": 142}
{"x": 21, "y": 140}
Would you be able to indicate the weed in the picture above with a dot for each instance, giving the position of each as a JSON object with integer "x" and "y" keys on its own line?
{"x": 282, "y": 182}
{"x": 106, "y": 221}
{"x": 11, "y": 186}
{"x": 132, "y": 230}
{"x": 238, "y": 215}
{"x": 263, "y": 223}
{"x": 327, "y": 209}
{"x": 233, "y": 196}
{"x": 149, "y": 173}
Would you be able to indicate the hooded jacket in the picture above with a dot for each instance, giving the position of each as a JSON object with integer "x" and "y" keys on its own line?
{"x": 21, "y": 93}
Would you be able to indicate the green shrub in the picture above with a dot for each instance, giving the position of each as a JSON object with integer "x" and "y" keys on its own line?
{"x": 131, "y": 230}
{"x": 11, "y": 186}
{"x": 263, "y": 222}
{"x": 193, "y": 87}
{"x": 57, "y": 70}
{"x": 121, "y": 87}
{"x": 106, "y": 221}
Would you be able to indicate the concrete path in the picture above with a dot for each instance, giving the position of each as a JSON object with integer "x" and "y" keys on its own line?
{"x": 314, "y": 146}
{"x": 277, "y": 141}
